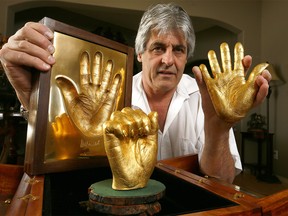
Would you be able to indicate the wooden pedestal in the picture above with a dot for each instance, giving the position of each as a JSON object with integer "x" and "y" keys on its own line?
{"x": 143, "y": 201}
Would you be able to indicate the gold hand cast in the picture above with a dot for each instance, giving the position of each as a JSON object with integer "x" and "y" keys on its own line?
{"x": 98, "y": 97}
{"x": 66, "y": 138}
{"x": 131, "y": 138}
{"x": 231, "y": 94}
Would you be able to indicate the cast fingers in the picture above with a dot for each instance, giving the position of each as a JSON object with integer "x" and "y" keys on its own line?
{"x": 99, "y": 75}
{"x": 131, "y": 123}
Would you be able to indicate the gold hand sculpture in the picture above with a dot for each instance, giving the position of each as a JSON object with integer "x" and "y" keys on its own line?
{"x": 98, "y": 97}
{"x": 231, "y": 94}
{"x": 66, "y": 138}
{"x": 131, "y": 138}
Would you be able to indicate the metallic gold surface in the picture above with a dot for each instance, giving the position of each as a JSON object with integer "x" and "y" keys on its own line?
{"x": 66, "y": 138}
{"x": 95, "y": 101}
{"x": 87, "y": 82}
{"x": 231, "y": 94}
{"x": 131, "y": 138}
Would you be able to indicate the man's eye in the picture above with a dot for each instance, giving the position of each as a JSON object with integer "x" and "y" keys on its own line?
{"x": 158, "y": 49}
{"x": 179, "y": 50}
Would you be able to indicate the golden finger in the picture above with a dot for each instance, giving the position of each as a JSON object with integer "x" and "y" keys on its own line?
{"x": 127, "y": 121}
{"x": 137, "y": 116}
{"x": 226, "y": 57}
{"x": 112, "y": 97}
{"x": 68, "y": 89}
{"x": 57, "y": 126}
{"x": 153, "y": 116}
{"x": 116, "y": 85}
{"x": 54, "y": 127}
{"x": 96, "y": 68}
{"x": 238, "y": 57}
{"x": 134, "y": 118}
{"x": 257, "y": 70}
{"x": 66, "y": 122}
{"x": 115, "y": 127}
{"x": 205, "y": 73}
{"x": 215, "y": 68}
{"x": 84, "y": 69}
{"x": 106, "y": 77}
{"x": 143, "y": 123}
{"x": 58, "y": 123}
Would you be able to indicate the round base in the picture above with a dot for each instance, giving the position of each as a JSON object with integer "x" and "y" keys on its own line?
{"x": 104, "y": 199}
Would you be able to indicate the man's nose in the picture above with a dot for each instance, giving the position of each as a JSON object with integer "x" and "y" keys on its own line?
{"x": 168, "y": 58}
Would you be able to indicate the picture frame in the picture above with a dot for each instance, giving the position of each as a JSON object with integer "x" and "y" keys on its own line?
{"x": 48, "y": 102}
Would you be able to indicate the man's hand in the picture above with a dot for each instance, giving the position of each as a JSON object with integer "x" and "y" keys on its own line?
{"x": 67, "y": 139}
{"x": 98, "y": 96}
{"x": 30, "y": 47}
{"x": 130, "y": 139}
{"x": 231, "y": 94}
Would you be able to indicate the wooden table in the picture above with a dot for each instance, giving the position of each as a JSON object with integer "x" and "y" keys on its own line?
{"x": 264, "y": 172}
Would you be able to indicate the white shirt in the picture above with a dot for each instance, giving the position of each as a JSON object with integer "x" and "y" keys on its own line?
{"x": 184, "y": 127}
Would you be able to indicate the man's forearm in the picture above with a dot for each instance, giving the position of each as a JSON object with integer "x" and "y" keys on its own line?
{"x": 216, "y": 160}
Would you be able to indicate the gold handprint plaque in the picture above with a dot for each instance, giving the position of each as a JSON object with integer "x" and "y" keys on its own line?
{"x": 92, "y": 78}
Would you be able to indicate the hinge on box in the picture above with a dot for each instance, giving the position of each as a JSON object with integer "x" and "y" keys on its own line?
{"x": 32, "y": 181}
{"x": 29, "y": 197}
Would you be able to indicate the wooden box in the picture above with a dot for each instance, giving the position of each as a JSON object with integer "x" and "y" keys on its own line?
{"x": 10, "y": 177}
{"x": 186, "y": 193}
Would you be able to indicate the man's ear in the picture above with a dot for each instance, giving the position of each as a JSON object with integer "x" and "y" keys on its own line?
{"x": 139, "y": 57}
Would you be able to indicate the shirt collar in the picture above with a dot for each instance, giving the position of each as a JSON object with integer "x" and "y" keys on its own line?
{"x": 186, "y": 86}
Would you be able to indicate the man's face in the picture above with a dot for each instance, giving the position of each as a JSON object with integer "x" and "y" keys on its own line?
{"x": 163, "y": 61}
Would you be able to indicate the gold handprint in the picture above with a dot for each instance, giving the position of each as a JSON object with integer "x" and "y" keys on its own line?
{"x": 66, "y": 138}
{"x": 231, "y": 94}
{"x": 131, "y": 138}
{"x": 98, "y": 97}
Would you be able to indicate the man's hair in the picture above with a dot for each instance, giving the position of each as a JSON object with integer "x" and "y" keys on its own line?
{"x": 164, "y": 18}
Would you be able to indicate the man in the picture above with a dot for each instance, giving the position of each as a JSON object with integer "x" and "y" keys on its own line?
{"x": 164, "y": 42}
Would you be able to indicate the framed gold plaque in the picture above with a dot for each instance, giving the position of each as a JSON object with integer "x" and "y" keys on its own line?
{"x": 91, "y": 78}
